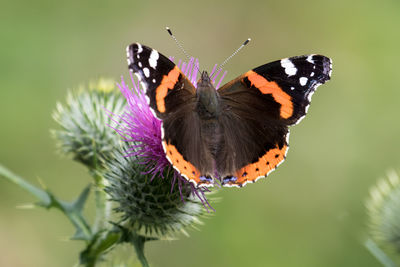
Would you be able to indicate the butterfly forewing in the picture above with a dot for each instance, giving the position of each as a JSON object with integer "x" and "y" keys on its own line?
{"x": 172, "y": 97}
{"x": 260, "y": 105}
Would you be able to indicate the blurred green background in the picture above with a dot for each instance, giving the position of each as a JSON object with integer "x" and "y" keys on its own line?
{"x": 308, "y": 213}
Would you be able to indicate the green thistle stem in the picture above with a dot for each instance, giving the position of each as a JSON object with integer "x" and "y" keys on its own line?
{"x": 37, "y": 192}
{"x": 101, "y": 204}
{"x": 73, "y": 210}
{"x": 379, "y": 254}
{"x": 138, "y": 243}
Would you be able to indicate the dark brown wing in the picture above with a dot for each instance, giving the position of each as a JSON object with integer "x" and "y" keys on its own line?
{"x": 257, "y": 109}
{"x": 172, "y": 98}
{"x": 167, "y": 88}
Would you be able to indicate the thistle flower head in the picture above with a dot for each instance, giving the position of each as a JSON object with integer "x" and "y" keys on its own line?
{"x": 383, "y": 208}
{"x": 150, "y": 199}
{"x": 84, "y": 123}
{"x": 142, "y": 130}
{"x": 149, "y": 206}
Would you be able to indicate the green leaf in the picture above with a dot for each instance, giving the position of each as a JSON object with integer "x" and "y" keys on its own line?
{"x": 81, "y": 200}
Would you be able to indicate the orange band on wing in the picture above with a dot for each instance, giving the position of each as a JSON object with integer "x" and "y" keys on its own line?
{"x": 167, "y": 83}
{"x": 262, "y": 167}
{"x": 185, "y": 168}
{"x": 272, "y": 88}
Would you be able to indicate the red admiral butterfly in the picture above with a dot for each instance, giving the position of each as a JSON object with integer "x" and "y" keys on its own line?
{"x": 238, "y": 133}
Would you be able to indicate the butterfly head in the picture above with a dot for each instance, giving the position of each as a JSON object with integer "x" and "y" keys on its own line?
{"x": 204, "y": 80}
{"x": 207, "y": 98}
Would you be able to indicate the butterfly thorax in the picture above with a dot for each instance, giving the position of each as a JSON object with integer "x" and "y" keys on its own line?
{"x": 207, "y": 108}
{"x": 207, "y": 98}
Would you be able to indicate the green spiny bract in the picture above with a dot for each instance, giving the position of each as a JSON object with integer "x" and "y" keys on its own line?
{"x": 146, "y": 205}
{"x": 384, "y": 213}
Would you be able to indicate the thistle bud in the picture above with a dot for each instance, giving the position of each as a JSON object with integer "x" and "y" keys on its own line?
{"x": 383, "y": 208}
{"x": 85, "y": 131}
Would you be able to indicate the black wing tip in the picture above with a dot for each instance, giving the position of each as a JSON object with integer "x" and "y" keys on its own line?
{"x": 324, "y": 62}
{"x": 320, "y": 62}
{"x": 134, "y": 47}
{"x": 132, "y": 50}
{"x": 328, "y": 67}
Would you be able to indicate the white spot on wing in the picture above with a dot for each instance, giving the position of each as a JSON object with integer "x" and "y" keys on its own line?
{"x": 303, "y": 81}
{"x": 146, "y": 72}
{"x": 153, "y": 59}
{"x": 140, "y": 48}
{"x": 309, "y": 59}
{"x": 140, "y": 64}
{"x": 154, "y": 80}
{"x": 289, "y": 67}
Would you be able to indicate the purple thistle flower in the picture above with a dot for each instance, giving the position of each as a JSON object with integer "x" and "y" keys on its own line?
{"x": 142, "y": 129}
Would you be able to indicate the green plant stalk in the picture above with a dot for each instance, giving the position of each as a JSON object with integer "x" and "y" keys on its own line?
{"x": 379, "y": 254}
{"x": 102, "y": 207}
{"x": 100, "y": 244}
{"x": 37, "y": 192}
{"x": 72, "y": 210}
{"x": 138, "y": 243}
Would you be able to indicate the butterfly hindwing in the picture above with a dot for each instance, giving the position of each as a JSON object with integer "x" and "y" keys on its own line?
{"x": 260, "y": 105}
{"x": 255, "y": 139}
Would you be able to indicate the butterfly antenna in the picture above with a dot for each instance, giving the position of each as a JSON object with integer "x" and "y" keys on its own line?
{"x": 231, "y": 56}
{"x": 181, "y": 47}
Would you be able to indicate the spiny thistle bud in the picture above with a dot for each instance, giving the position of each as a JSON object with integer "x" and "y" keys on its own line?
{"x": 85, "y": 123}
{"x": 148, "y": 205}
{"x": 384, "y": 213}
{"x": 151, "y": 196}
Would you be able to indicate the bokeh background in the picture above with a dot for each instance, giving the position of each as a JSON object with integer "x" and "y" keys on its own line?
{"x": 308, "y": 213}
